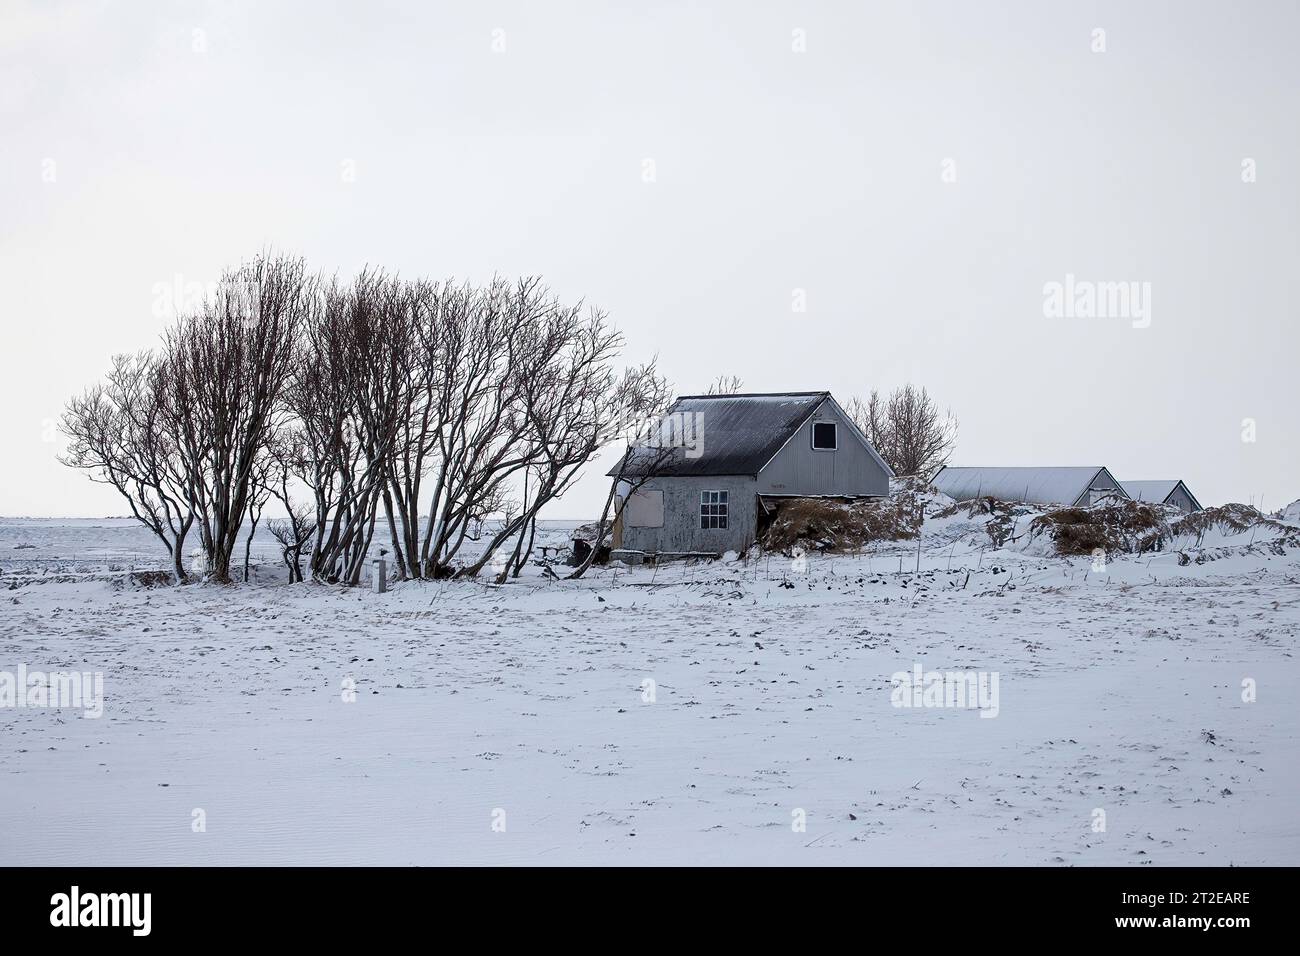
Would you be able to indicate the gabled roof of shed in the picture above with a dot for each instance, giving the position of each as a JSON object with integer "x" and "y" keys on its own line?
{"x": 1054, "y": 486}
{"x": 1157, "y": 490}
{"x": 739, "y": 434}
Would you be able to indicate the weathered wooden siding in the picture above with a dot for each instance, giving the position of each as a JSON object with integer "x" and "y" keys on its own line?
{"x": 681, "y": 530}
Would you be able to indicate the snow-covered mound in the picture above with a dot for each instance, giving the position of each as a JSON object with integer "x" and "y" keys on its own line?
{"x": 1116, "y": 527}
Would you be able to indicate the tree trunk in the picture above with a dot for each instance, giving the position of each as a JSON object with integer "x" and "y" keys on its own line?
{"x": 248, "y": 547}
{"x": 532, "y": 535}
{"x": 178, "y": 554}
{"x": 392, "y": 531}
{"x": 581, "y": 569}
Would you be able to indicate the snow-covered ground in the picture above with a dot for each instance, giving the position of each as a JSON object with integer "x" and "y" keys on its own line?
{"x": 517, "y": 724}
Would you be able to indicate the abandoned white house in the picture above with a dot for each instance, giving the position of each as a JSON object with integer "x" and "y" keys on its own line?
{"x": 719, "y": 463}
{"x": 1170, "y": 491}
{"x": 1066, "y": 487}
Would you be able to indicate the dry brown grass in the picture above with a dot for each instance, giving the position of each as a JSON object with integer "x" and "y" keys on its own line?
{"x": 825, "y": 524}
{"x": 1130, "y": 527}
{"x": 1233, "y": 518}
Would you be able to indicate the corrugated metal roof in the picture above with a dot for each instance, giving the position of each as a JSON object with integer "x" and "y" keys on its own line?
{"x": 733, "y": 434}
{"x": 1047, "y": 486}
{"x": 1156, "y": 491}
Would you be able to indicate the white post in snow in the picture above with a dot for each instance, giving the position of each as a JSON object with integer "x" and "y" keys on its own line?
{"x": 379, "y": 576}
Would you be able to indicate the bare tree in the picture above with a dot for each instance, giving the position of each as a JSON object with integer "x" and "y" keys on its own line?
{"x": 259, "y": 494}
{"x": 725, "y": 385}
{"x": 402, "y": 384}
{"x": 382, "y": 356}
{"x": 225, "y": 370}
{"x": 346, "y": 392}
{"x": 571, "y": 398}
{"x": 645, "y": 396}
{"x": 869, "y": 416}
{"x": 479, "y": 448}
{"x": 922, "y": 434}
{"x": 118, "y": 432}
{"x": 293, "y": 534}
{"x": 909, "y": 430}
{"x": 320, "y": 395}
{"x": 439, "y": 316}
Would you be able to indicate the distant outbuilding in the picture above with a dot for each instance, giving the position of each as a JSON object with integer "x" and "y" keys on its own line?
{"x": 1075, "y": 487}
{"x": 1168, "y": 491}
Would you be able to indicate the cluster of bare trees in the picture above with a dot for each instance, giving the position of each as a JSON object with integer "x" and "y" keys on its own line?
{"x": 725, "y": 385}
{"x": 909, "y": 430}
{"x": 409, "y": 408}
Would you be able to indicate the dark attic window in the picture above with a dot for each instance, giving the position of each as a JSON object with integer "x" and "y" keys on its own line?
{"x": 824, "y": 436}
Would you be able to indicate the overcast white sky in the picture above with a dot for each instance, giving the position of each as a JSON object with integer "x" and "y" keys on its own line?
{"x": 135, "y": 151}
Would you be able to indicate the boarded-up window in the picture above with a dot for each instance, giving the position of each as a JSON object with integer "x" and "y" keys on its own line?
{"x": 645, "y": 509}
